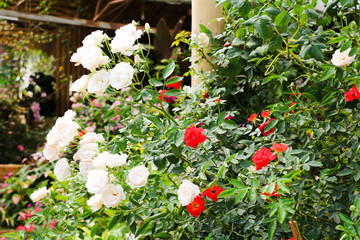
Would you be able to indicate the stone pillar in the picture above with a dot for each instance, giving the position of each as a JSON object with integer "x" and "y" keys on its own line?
{"x": 204, "y": 12}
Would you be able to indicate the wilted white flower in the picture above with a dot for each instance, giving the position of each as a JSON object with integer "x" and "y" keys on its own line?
{"x": 116, "y": 160}
{"x": 113, "y": 195}
{"x": 62, "y": 169}
{"x": 121, "y": 75}
{"x": 341, "y": 59}
{"x": 101, "y": 160}
{"x": 138, "y": 176}
{"x": 99, "y": 82}
{"x": 95, "y": 202}
{"x": 97, "y": 179}
{"x": 80, "y": 85}
{"x": 187, "y": 192}
{"x": 252, "y": 169}
{"x": 95, "y": 39}
{"x": 39, "y": 194}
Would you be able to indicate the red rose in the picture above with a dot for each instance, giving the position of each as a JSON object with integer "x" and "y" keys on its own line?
{"x": 278, "y": 147}
{"x": 265, "y": 114}
{"x": 213, "y": 192}
{"x": 273, "y": 194}
{"x": 82, "y": 133}
{"x": 194, "y": 136}
{"x": 217, "y": 100}
{"x": 262, "y": 158}
{"x": 196, "y": 207}
{"x": 263, "y": 126}
{"x": 228, "y": 117}
{"x": 176, "y": 85}
{"x": 252, "y": 117}
{"x": 352, "y": 94}
{"x": 206, "y": 95}
{"x": 162, "y": 96}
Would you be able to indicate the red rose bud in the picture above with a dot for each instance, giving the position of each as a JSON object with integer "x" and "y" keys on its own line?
{"x": 213, "y": 192}
{"x": 263, "y": 126}
{"x": 196, "y": 207}
{"x": 278, "y": 147}
{"x": 193, "y": 136}
{"x": 176, "y": 85}
{"x": 228, "y": 117}
{"x": 206, "y": 95}
{"x": 170, "y": 99}
{"x": 217, "y": 100}
{"x": 82, "y": 133}
{"x": 293, "y": 103}
{"x": 352, "y": 94}
{"x": 273, "y": 194}
{"x": 265, "y": 114}
{"x": 252, "y": 117}
{"x": 262, "y": 158}
{"x": 227, "y": 44}
{"x": 162, "y": 96}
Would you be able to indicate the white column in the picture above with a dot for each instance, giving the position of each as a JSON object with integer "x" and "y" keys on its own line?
{"x": 204, "y": 12}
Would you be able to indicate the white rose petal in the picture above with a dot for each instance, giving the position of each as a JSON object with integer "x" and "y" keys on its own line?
{"x": 124, "y": 44}
{"x": 39, "y": 194}
{"x": 51, "y": 152}
{"x": 130, "y": 30}
{"x": 187, "y": 192}
{"x": 116, "y": 160}
{"x": 138, "y": 176}
{"x": 113, "y": 195}
{"x": 80, "y": 85}
{"x": 95, "y": 202}
{"x": 341, "y": 59}
{"x": 62, "y": 169}
{"x": 121, "y": 75}
{"x": 88, "y": 151}
{"x": 91, "y": 137}
{"x": 93, "y": 58}
{"x": 201, "y": 39}
{"x": 76, "y": 57}
{"x": 95, "y": 39}
{"x": 85, "y": 167}
{"x": 97, "y": 179}
{"x": 99, "y": 82}
{"x": 101, "y": 160}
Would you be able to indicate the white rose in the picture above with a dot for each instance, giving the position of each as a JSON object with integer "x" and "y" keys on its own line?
{"x": 124, "y": 44}
{"x": 39, "y": 194}
{"x": 121, "y": 75}
{"x": 88, "y": 151}
{"x": 85, "y": 167}
{"x": 52, "y": 137}
{"x": 341, "y": 59}
{"x": 95, "y": 202}
{"x": 80, "y": 85}
{"x": 97, "y": 179}
{"x": 91, "y": 137}
{"x": 116, "y": 160}
{"x": 187, "y": 192}
{"x": 130, "y": 30}
{"x": 93, "y": 58}
{"x": 68, "y": 132}
{"x": 94, "y": 39}
{"x": 51, "y": 152}
{"x": 138, "y": 176}
{"x": 101, "y": 160}
{"x": 62, "y": 169}
{"x": 99, "y": 82}
{"x": 201, "y": 39}
{"x": 69, "y": 114}
{"x": 76, "y": 57}
{"x": 113, "y": 195}
{"x": 147, "y": 27}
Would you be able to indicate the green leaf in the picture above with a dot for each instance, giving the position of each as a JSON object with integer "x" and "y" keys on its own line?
{"x": 94, "y": 229}
{"x": 303, "y": 19}
{"x": 272, "y": 229}
{"x": 228, "y": 192}
{"x": 270, "y": 125}
{"x": 241, "y": 195}
{"x": 163, "y": 235}
{"x": 115, "y": 220}
{"x": 281, "y": 214}
{"x": 155, "y": 120}
{"x": 337, "y": 40}
{"x": 317, "y": 53}
{"x": 252, "y": 195}
{"x": 172, "y": 92}
{"x": 220, "y": 117}
{"x": 168, "y": 70}
{"x": 309, "y": 96}
{"x": 205, "y": 166}
{"x": 174, "y": 80}
{"x": 315, "y": 163}
{"x": 155, "y": 82}
{"x": 273, "y": 210}
{"x": 344, "y": 172}
{"x": 282, "y": 19}
{"x": 353, "y": 51}
{"x": 205, "y": 30}
{"x": 283, "y": 187}
{"x": 346, "y": 46}
{"x": 346, "y": 219}
{"x": 237, "y": 183}
{"x": 142, "y": 227}
{"x": 229, "y": 124}
{"x": 328, "y": 73}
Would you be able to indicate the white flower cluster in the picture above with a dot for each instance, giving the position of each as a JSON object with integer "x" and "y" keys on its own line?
{"x": 91, "y": 57}
{"x": 63, "y": 132}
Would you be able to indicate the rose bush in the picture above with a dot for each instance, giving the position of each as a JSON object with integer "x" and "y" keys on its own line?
{"x": 289, "y": 152}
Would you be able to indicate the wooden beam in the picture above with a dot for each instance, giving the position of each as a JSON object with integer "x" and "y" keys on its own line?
{"x": 62, "y": 20}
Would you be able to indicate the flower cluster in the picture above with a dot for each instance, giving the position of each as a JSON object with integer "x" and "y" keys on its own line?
{"x": 189, "y": 196}
{"x": 265, "y": 114}
{"x": 352, "y": 94}
{"x": 263, "y": 156}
